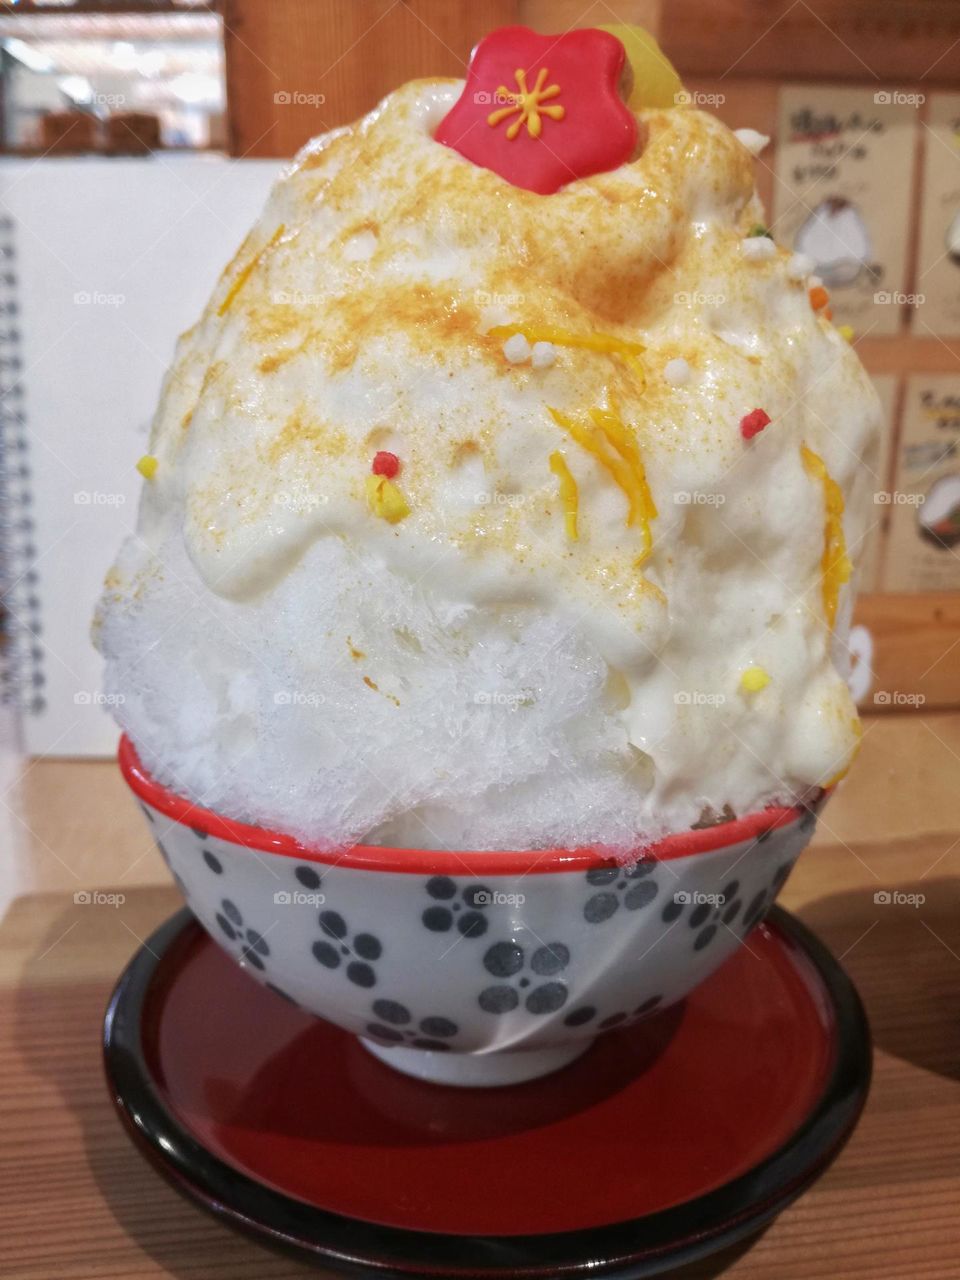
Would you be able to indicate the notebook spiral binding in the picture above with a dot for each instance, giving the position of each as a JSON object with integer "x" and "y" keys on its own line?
{"x": 21, "y": 650}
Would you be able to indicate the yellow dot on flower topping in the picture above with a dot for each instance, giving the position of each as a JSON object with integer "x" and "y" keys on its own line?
{"x": 386, "y": 500}
{"x": 527, "y": 105}
{"x": 147, "y": 466}
{"x": 835, "y": 567}
{"x": 754, "y": 679}
{"x": 569, "y": 494}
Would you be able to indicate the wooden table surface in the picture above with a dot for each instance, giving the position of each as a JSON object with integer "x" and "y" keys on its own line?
{"x": 76, "y": 1200}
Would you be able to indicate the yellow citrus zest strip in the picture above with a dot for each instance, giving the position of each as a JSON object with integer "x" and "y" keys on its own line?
{"x": 147, "y": 466}
{"x": 569, "y": 494}
{"x": 244, "y": 275}
{"x": 604, "y": 343}
{"x": 614, "y": 446}
{"x": 835, "y": 567}
{"x": 754, "y": 679}
{"x": 386, "y": 500}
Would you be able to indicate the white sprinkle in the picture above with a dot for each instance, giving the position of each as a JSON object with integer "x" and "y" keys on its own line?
{"x": 758, "y": 248}
{"x": 543, "y": 355}
{"x": 752, "y": 140}
{"x": 517, "y": 349}
{"x": 815, "y": 282}
{"x": 799, "y": 267}
{"x": 677, "y": 372}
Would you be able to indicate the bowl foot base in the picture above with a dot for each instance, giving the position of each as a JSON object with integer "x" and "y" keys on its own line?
{"x": 476, "y": 1070}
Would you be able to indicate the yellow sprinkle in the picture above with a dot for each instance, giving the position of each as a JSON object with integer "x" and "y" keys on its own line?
{"x": 604, "y": 343}
{"x": 244, "y": 275}
{"x": 386, "y": 500}
{"x": 569, "y": 495}
{"x": 845, "y": 331}
{"x": 835, "y": 567}
{"x": 147, "y": 466}
{"x": 754, "y": 679}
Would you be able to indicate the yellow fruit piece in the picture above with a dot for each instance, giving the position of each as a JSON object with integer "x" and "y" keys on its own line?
{"x": 147, "y": 466}
{"x": 386, "y": 500}
{"x": 655, "y": 79}
{"x": 754, "y": 679}
{"x": 845, "y": 331}
{"x": 569, "y": 494}
{"x": 835, "y": 566}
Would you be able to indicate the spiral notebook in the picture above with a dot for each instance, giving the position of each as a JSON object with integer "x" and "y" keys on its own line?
{"x": 102, "y": 263}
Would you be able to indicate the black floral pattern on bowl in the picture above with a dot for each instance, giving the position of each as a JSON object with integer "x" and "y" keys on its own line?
{"x": 450, "y": 907}
{"x": 396, "y": 1025}
{"x": 705, "y": 917}
{"x": 631, "y": 887}
{"x": 587, "y": 1013}
{"x": 356, "y": 953}
{"x": 512, "y": 965}
{"x": 254, "y": 947}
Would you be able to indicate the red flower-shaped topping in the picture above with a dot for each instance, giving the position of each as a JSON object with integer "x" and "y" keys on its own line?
{"x": 542, "y": 111}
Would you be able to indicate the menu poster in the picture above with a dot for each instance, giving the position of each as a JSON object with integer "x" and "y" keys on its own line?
{"x": 938, "y": 255}
{"x": 923, "y": 552}
{"x": 887, "y": 385}
{"x": 843, "y": 196}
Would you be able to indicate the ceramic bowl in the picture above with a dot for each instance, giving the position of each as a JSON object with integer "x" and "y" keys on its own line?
{"x": 474, "y": 968}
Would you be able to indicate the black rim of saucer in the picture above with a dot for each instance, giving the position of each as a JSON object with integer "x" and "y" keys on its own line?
{"x": 638, "y": 1247}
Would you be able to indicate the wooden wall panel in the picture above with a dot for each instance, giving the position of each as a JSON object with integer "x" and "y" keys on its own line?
{"x": 352, "y": 52}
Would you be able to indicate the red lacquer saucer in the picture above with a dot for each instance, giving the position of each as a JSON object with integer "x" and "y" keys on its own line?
{"x": 665, "y": 1142}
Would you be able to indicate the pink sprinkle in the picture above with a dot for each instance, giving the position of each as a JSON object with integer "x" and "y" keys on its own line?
{"x": 753, "y": 423}
{"x": 386, "y": 464}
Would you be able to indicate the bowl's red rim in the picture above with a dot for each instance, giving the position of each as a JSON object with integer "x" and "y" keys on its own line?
{"x": 367, "y": 857}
